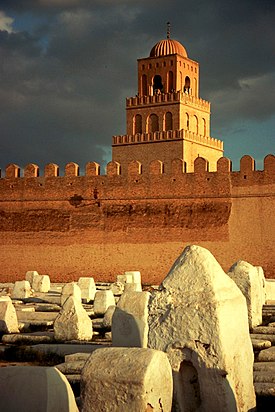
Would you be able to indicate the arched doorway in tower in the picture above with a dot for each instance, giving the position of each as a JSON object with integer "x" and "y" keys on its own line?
{"x": 153, "y": 124}
{"x": 137, "y": 124}
{"x": 187, "y": 85}
{"x": 168, "y": 119}
{"x": 157, "y": 84}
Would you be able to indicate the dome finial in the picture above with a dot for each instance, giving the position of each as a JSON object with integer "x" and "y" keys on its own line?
{"x": 168, "y": 29}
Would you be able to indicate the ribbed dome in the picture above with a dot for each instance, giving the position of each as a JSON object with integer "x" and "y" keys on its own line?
{"x": 166, "y": 47}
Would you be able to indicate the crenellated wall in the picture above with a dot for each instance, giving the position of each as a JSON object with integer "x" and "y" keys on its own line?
{"x": 141, "y": 219}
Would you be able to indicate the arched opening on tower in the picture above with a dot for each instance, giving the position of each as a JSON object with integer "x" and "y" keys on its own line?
{"x": 196, "y": 124}
{"x": 157, "y": 85}
{"x": 153, "y": 123}
{"x": 170, "y": 81}
{"x": 168, "y": 121}
{"x": 187, "y": 85}
{"x": 187, "y": 120}
{"x": 204, "y": 126}
{"x": 137, "y": 126}
{"x": 144, "y": 86}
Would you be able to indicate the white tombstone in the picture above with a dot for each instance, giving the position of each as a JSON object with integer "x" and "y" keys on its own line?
{"x": 199, "y": 318}
{"x": 8, "y": 317}
{"x": 72, "y": 322}
{"x": 35, "y": 388}
{"x": 103, "y": 299}
{"x": 126, "y": 379}
{"x": 30, "y": 275}
{"x": 136, "y": 277}
{"x": 21, "y": 290}
{"x": 41, "y": 283}
{"x": 130, "y": 320}
{"x": 87, "y": 287}
{"x": 246, "y": 278}
{"x": 70, "y": 289}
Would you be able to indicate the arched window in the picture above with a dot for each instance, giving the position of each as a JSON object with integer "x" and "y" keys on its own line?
{"x": 168, "y": 121}
{"x": 157, "y": 84}
{"x": 153, "y": 123}
{"x": 204, "y": 126}
{"x": 187, "y": 85}
{"x": 170, "y": 81}
{"x": 187, "y": 121}
{"x": 144, "y": 87}
{"x": 137, "y": 124}
{"x": 196, "y": 125}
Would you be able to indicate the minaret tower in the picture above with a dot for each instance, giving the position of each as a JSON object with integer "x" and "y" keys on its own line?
{"x": 167, "y": 119}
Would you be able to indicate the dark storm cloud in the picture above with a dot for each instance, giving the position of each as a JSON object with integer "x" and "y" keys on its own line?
{"x": 65, "y": 73}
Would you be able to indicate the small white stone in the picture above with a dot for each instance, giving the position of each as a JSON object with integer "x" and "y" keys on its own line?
{"x": 30, "y": 275}
{"x": 41, "y": 283}
{"x": 70, "y": 289}
{"x": 136, "y": 277}
{"x": 87, "y": 287}
{"x": 124, "y": 278}
{"x": 8, "y": 317}
{"x": 132, "y": 287}
{"x": 103, "y": 299}
{"x": 21, "y": 290}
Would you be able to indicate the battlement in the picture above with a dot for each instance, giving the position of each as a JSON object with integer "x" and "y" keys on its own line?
{"x": 175, "y": 97}
{"x": 166, "y": 136}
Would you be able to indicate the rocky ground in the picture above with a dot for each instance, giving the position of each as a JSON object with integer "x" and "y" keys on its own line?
{"x": 35, "y": 344}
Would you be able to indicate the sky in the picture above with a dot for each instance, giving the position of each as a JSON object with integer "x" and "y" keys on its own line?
{"x": 67, "y": 66}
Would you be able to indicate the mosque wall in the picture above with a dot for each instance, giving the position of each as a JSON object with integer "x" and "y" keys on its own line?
{"x": 101, "y": 225}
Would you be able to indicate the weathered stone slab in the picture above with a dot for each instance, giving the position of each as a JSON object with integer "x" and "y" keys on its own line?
{"x": 262, "y": 366}
{"x": 262, "y": 336}
{"x": 262, "y": 281}
{"x": 270, "y": 289}
{"x": 35, "y": 388}
{"x": 36, "y": 316}
{"x": 41, "y": 283}
{"x": 8, "y": 317}
{"x": 117, "y": 288}
{"x": 103, "y": 299}
{"x": 128, "y": 380}
{"x": 265, "y": 330}
{"x": 21, "y": 290}
{"x": 70, "y": 289}
{"x": 71, "y": 368}
{"x": 247, "y": 279}
{"x": 260, "y": 344}
{"x": 77, "y": 357}
{"x": 193, "y": 319}
{"x": 27, "y": 338}
{"x": 130, "y": 320}
{"x": 124, "y": 278}
{"x": 266, "y": 376}
{"x": 264, "y": 389}
{"x": 267, "y": 355}
{"x": 73, "y": 323}
{"x": 87, "y": 287}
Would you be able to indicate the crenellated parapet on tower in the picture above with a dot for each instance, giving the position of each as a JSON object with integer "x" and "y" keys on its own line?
{"x": 167, "y": 118}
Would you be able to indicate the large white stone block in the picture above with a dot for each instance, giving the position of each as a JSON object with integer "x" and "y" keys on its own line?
{"x": 8, "y": 317}
{"x": 199, "y": 318}
{"x": 247, "y": 279}
{"x": 70, "y": 289}
{"x": 103, "y": 299}
{"x": 130, "y": 320}
{"x": 87, "y": 287}
{"x": 73, "y": 322}
{"x": 35, "y": 388}
{"x": 128, "y": 380}
{"x": 270, "y": 289}
{"x": 132, "y": 287}
{"x": 21, "y": 290}
{"x": 41, "y": 283}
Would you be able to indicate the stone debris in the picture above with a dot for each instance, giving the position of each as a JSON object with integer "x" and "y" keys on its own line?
{"x": 41, "y": 283}
{"x": 87, "y": 287}
{"x": 193, "y": 319}
{"x": 21, "y": 290}
{"x": 247, "y": 279}
{"x": 130, "y": 320}
{"x": 8, "y": 317}
{"x": 128, "y": 380}
{"x": 35, "y": 388}
{"x": 70, "y": 289}
{"x": 103, "y": 299}
{"x": 73, "y": 323}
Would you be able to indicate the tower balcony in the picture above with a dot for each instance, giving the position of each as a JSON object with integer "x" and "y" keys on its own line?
{"x": 175, "y": 97}
{"x": 167, "y": 136}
